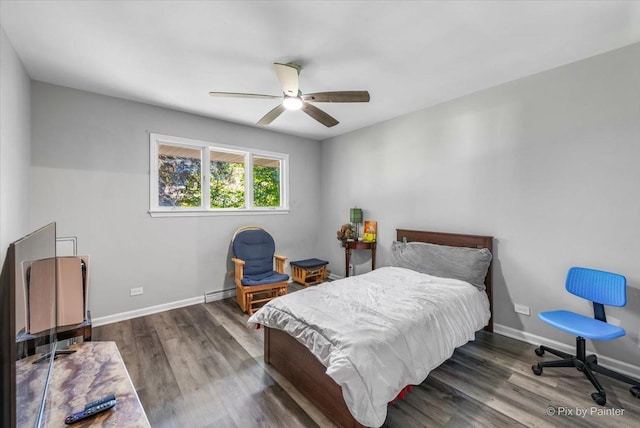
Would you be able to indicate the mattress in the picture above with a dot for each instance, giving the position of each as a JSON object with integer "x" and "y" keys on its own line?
{"x": 380, "y": 331}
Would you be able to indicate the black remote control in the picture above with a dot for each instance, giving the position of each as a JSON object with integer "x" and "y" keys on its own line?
{"x": 109, "y": 397}
{"x": 71, "y": 419}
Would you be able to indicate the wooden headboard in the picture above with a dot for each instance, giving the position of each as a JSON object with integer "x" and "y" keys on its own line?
{"x": 455, "y": 240}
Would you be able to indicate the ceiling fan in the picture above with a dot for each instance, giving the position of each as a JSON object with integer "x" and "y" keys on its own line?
{"x": 293, "y": 99}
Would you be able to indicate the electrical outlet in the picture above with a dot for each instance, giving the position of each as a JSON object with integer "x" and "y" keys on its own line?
{"x": 521, "y": 309}
{"x": 136, "y": 291}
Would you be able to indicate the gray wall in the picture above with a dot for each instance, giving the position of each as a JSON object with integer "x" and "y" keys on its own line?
{"x": 548, "y": 165}
{"x": 90, "y": 172}
{"x": 15, "y": 145}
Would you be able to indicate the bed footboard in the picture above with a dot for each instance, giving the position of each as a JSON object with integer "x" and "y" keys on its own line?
{"x": 296, "y": 363}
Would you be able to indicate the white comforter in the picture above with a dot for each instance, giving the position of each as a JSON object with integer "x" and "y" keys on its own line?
{"x": 378, "y": 332}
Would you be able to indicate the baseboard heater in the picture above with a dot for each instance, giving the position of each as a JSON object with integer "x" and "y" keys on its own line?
{"x": 212, "y": 296}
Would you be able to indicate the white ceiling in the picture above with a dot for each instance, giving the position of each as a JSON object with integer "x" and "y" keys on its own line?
{"x": 408, "y": 55}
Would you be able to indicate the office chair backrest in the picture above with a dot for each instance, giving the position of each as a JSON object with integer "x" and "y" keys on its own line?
{"x": 256, "y": 247}
{"x": 598, "y": 286}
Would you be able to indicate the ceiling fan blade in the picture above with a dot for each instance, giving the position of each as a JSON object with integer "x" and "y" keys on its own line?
{"x": 270, "y": 117}
{"x": 288, "y": 77}
{"x": 241, "y": 95}
{"x": 319, "y": 115}
{"x": 338, "y": 97}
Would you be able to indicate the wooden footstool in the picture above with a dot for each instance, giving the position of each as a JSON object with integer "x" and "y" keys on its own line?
{"x": 309, "y": 272}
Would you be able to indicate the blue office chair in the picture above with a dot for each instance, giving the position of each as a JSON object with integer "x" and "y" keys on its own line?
{"x": 602, "y": 288}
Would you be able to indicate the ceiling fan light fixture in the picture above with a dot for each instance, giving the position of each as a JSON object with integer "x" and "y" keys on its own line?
{"x": 292, "y": 103}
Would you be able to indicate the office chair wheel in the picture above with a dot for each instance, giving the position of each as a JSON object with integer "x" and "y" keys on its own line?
{"x": 601, "y": 399}
{"x": 635, "y": 391}
{"x": 539, "y": 352}
{"x": 537, "y": 369}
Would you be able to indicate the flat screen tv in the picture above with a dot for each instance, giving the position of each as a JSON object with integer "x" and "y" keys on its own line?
{"x": 27, "y": 311}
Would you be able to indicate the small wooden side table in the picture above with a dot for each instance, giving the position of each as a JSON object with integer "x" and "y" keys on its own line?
{"x": 358, "y": 245}
{"x": 32, "y": 341}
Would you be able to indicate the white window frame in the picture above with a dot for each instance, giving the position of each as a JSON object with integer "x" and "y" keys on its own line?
{"x": 155, "y": 210}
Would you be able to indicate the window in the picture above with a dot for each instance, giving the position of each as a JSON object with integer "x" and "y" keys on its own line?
{"x": 231, "y": 180}
{"x": 226, "y": 179}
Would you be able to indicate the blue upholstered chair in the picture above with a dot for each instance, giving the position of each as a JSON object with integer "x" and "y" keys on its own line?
{"x": 256, "y": 279}
{"x": 601, "y": 288}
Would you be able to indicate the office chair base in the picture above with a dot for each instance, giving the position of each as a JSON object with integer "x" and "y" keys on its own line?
{"x": 600, "y": 399}
{"x": 587, "y": 364}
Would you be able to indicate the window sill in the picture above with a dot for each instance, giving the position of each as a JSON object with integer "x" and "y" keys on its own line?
{"x": 211, "y": 213}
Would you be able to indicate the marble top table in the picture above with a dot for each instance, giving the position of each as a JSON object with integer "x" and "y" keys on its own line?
{"x": 95, "y": 370}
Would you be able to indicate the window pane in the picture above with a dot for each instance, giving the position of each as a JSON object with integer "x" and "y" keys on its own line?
{"x": 227, "y": 180}
{"x": 179, "y": 176}
{"x": 266, "y": 182}
{"x": 199, "y": 178}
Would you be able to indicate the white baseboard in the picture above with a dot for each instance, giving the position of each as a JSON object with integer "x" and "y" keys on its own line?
{"x": 122, "y": 316}
{"x": 334, "y": 277}
{"x": 212, "y": 296}
{"x": 619, "y": 366}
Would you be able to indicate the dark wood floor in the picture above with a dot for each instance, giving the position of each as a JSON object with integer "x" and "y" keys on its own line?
{"x": 200, "y": 366}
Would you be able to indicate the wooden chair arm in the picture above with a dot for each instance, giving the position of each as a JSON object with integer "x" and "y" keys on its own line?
{"x": 239, "y": 267}
{"x": 279, "y": 263}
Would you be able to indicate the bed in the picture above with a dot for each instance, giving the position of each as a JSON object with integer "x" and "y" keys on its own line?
{"x": 308, "y": 371}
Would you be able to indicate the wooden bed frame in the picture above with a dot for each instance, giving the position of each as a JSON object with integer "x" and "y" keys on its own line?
{"x": 297, "y": 364}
